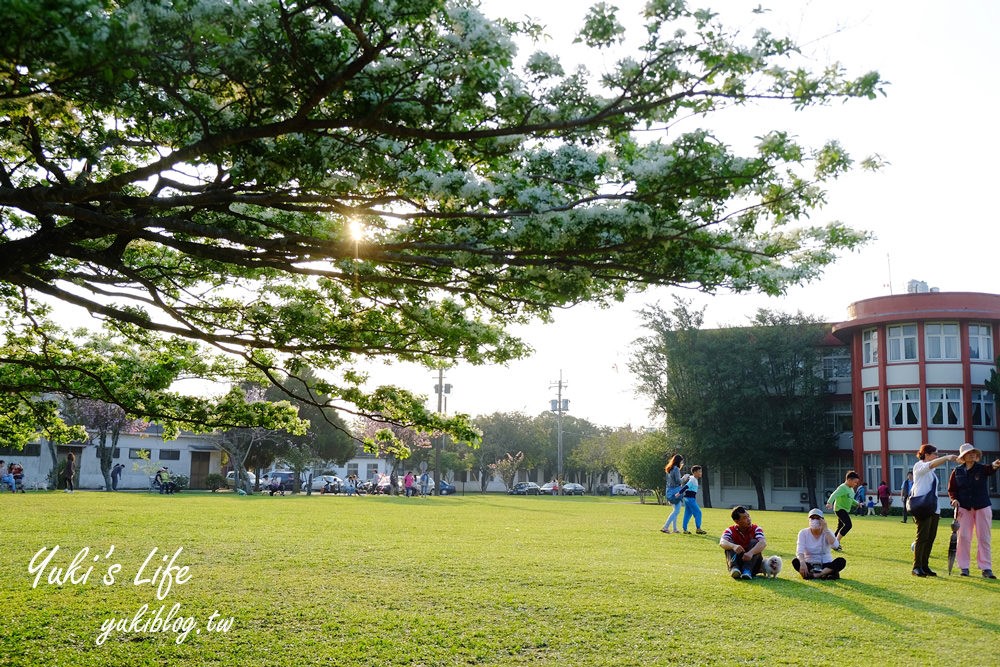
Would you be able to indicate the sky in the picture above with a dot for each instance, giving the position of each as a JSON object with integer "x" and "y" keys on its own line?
{"x": 930, "y": 208}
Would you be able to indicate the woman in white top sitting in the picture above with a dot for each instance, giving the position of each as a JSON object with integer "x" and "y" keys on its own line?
{"x": 813, "y": 558}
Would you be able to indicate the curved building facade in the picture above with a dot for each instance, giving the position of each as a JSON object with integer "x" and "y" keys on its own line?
{"x": 918, "y": 366}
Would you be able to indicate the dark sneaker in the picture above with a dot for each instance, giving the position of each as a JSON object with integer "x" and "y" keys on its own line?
{"x": 964, "y": 572}
{"x": 930, "y": 573}
{"x": 917, "y": 572}
{"x": 735, "y": 573}
{"x": 701, "y": 532}
{"x": 988, "y": 574}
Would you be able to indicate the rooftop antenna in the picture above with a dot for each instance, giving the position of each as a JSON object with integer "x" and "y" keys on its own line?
{"x": 888, "y": 265}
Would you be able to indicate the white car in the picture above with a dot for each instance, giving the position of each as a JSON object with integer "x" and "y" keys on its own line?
{"x": 231, "y": 478}
{"x": 320, "y": 483}
{"x": 623, "y": 490}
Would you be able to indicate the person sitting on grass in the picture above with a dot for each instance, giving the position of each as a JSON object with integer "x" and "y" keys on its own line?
{"x": 841, "y": 501}
{"x": 744, "y": 543}
{"x": 813, "y": 559}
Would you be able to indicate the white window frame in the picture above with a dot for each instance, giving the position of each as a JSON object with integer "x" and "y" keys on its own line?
{"x": 899, "y": 465}
{"x": 873, "y": 473}
{"x": 948, "y": 401}
{"x": 869, "y": 347}
{"x": 840, "y": 417}
{"x": 983, "y": 409}
{"x": 942, "y": 341}
{"x": 837, "y": 364}
{"x": 787, "y": 476}
{"x": 901, "y": 342}
{"x": 982, "y": 336}
{"x": 872, "y": 411}
{"x": 904, "y": 402}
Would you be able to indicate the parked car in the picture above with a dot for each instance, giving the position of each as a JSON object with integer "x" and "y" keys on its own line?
{"x": 446, "y": 488}
{"x": 524, "y": 489}
{"x": 573, "y": 489}
{"x": 285, "y": 480}
{"x": 327, "y": 484}
{"x": 549, "y": 489}
{"x": 623, "y": 490}
{"x": 231, "y": 478}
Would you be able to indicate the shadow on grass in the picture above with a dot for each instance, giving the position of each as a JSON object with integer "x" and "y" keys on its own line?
{"x": 853, "y": 597}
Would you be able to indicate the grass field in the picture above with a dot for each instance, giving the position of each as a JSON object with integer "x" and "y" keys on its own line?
{"x": 467, "y": 580}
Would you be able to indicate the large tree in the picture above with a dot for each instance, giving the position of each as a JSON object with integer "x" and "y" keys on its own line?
{"x": 192, "y": 171}
{"x": 739, "y": 396}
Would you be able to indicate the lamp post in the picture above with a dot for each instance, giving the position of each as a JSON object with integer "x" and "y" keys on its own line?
{"x": 559, "y": 406}
{"x": 440, "y": 389}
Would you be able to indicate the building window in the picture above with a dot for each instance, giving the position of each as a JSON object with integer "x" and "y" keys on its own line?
{"x": 942, "y": 340}
{"x": 841, "y": 420}
{"x": 30, "y": 450}
{"x": 944, "y": 406}
{"x": 734, "y": 478}
{"x": 904, "y": 407}
{"x": 899, "y": 464}
{"x": 872, "y": 415}
{"x": 901, "y": 342}
{"x": 138, "y": 454}
{"x": 785, "y": 476}
{"x": 372, "y": 470}
{"x": 983, "y": 408}
{"x": 873, "y": 472}
{"x": 980, "y": 342}
{"x": 170, "y": 455}
{"x": 116, "y": 453}
{"x": 833, "y": 474}
{"x": 837, "y": 364}
{"x": 869, "y": 347}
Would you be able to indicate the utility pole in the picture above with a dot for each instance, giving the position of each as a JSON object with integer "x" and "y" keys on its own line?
{"x": 559, "y": 406}
{"x": 440, "y": 389}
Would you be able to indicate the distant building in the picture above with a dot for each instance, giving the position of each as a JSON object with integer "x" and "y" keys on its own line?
{"x": 902, "y": 370}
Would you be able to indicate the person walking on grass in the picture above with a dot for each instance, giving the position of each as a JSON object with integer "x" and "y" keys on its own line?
{"x": 675, "y": 494}
{"x": 841, "y": 501}
{"x": 968, "y": 489}
{"x": 691, "y": 508}
{"x": 70, "y": 471}
{"x": 925, "y": 481}
{"x": 884, "y": 498}
{"x": 904, "y": 493}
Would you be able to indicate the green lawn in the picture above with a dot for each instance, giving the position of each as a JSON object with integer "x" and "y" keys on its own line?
{"x": 473, "y": 580}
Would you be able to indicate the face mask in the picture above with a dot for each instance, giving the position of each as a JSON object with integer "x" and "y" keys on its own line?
{"x": 815, "y": 523}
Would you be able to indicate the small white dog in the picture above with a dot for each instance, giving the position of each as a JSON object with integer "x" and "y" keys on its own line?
{"x": 772, "y": 566}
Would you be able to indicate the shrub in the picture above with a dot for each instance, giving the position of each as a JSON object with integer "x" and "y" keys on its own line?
{"x": 214, "y": 481}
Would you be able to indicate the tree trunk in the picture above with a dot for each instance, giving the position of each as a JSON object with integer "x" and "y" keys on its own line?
{"x": 810, "y": 475}
{"x": 706, "y": 493}
{"x": 758, "y": 484}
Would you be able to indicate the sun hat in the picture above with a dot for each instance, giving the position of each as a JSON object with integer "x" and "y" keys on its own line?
{"x": 966, "y": 448}
{"x": 815, "y": 512}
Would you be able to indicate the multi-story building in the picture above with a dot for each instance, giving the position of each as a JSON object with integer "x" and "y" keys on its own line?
{"x": 919, "y": 364}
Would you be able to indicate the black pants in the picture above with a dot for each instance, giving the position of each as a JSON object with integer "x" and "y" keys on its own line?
{"x": 926, "y": 534}
{"x": 836, "y": 565}
{"x": 904, "y": 510}
{"x": 844, "y": 524}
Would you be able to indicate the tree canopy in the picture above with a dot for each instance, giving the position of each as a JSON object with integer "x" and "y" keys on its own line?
{"x": 309, "y": 183}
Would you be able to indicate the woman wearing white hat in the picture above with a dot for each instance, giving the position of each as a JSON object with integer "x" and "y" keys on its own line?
{"x": 969, "y": 491}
